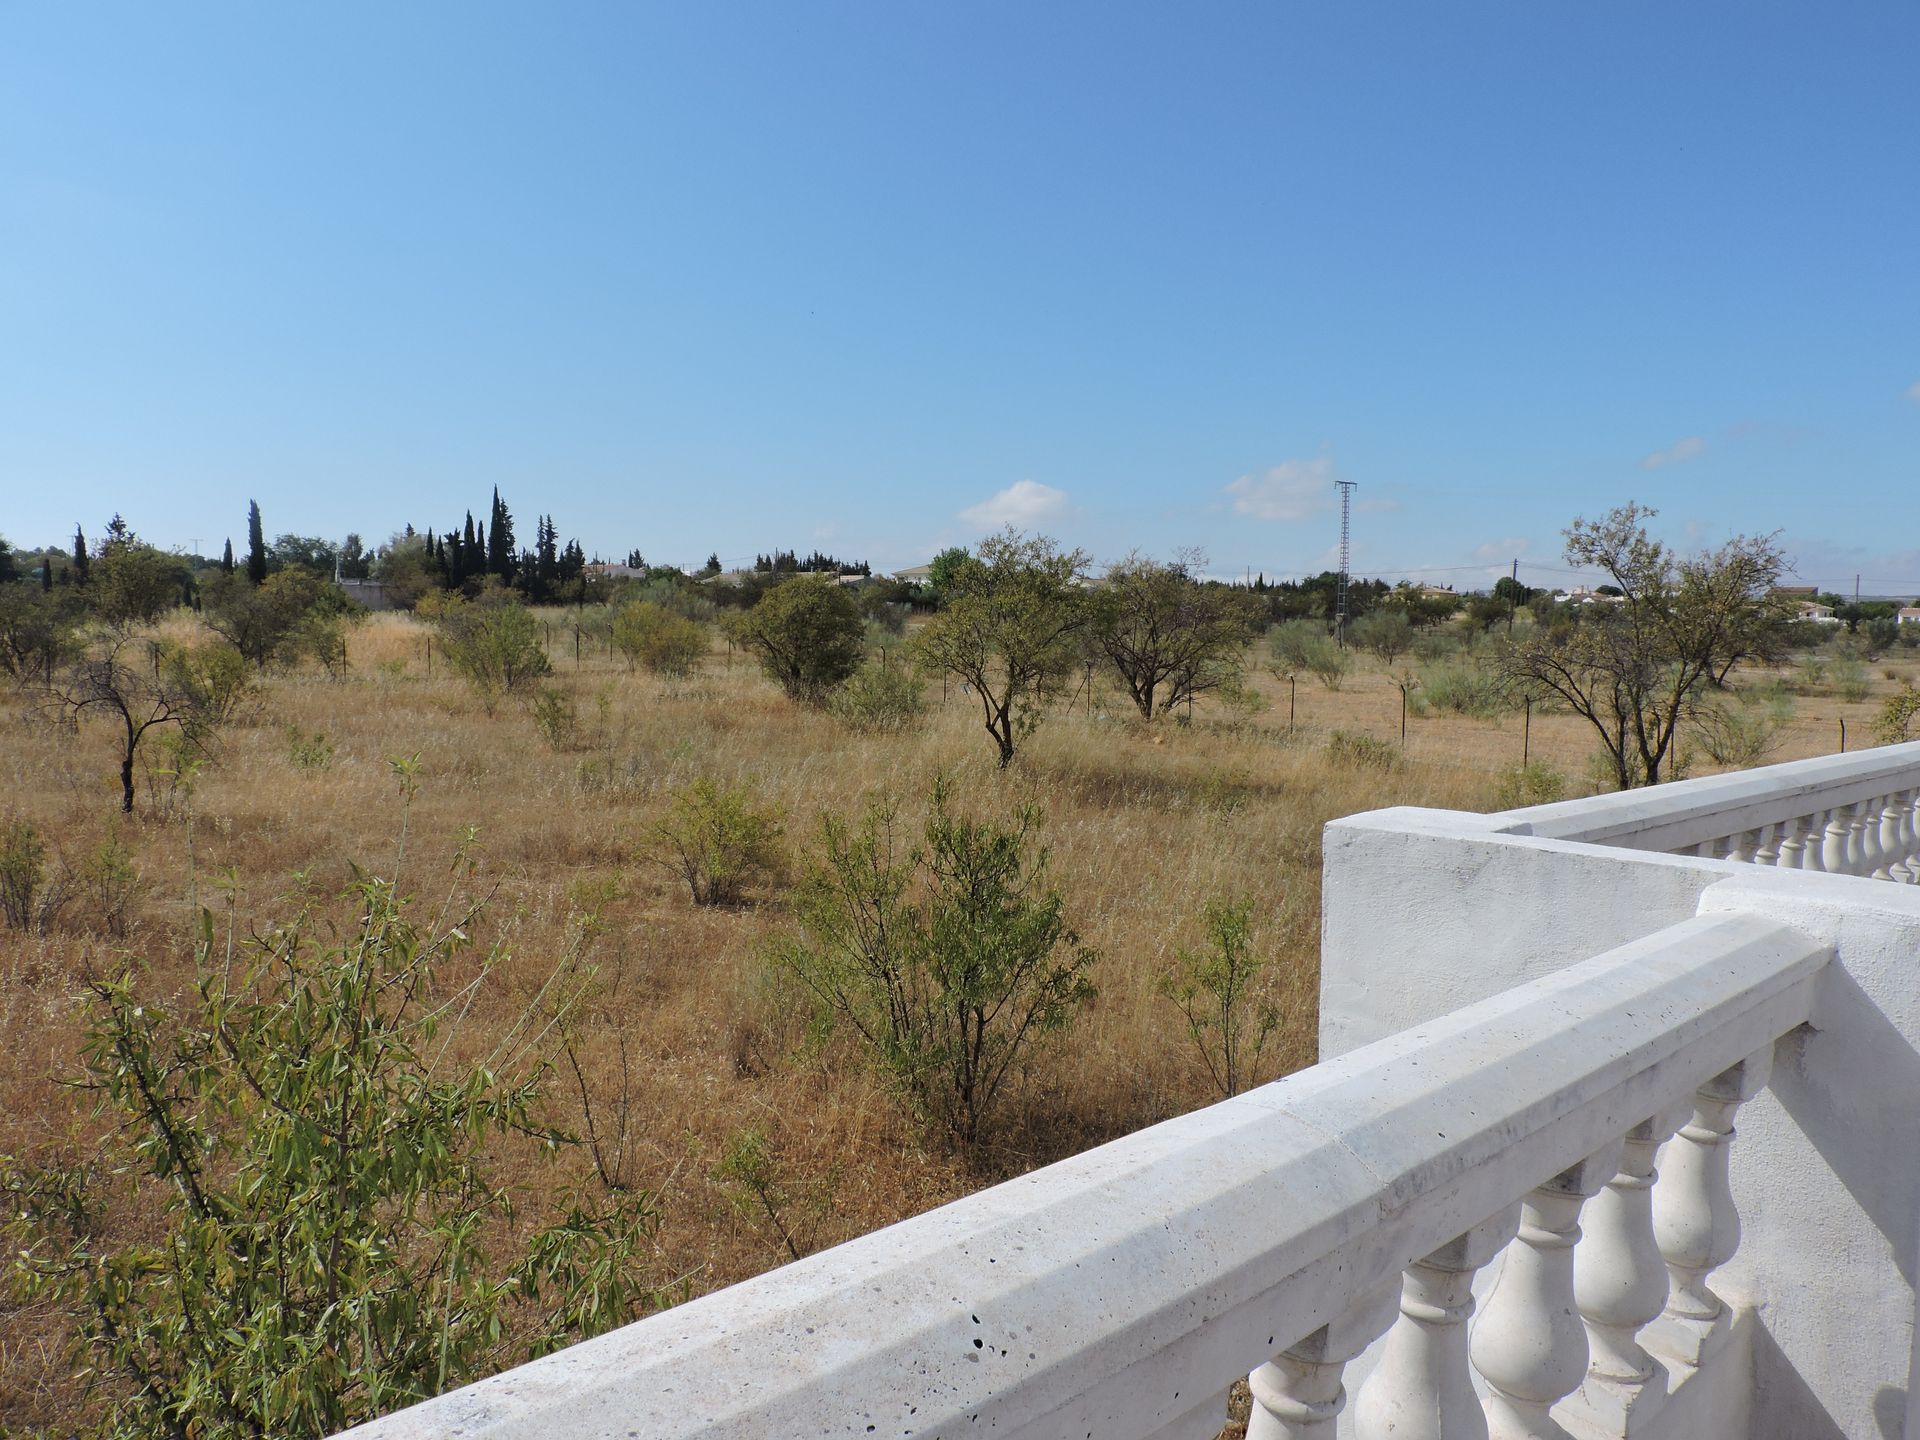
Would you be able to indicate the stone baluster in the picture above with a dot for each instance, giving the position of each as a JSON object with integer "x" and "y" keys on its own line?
{"x": 1528, "y": 1343}
{"x": 1298, "y": 1395}
{"x": 1620, "y": 1282}
{"x": 1421, "y": 1389}
{"x": 1813, "y": 852}
{"x": 1766, "y": 844}
{"x": 1907, "y": 846}
{"x": 1793, "y": 842}
{"x": 1886, "y": 832}
{"x": 1694, "y": 1219}
{"x": 1742, "y": 845}
{"x": 1863, "y": 837}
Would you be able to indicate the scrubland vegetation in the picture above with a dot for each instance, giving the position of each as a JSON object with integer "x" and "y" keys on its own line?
{"x": 501, "y": 972}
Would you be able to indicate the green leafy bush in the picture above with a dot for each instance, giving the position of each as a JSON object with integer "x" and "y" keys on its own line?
{"x": 808, "y": 634}
{"x": 1225, "y": 993}
{"x": 1849, "y": 678}
{"x": 1361, "y": 752}
{"x": 1462, "y": 687}
{"x": 948, "y": 959}
{"x": 1738, "y": 731}
{"x": 1387, "y": 634}
{"x": 658, "y": 639}
{"x": 878, "y": 697}
{"x": 1305, "y": 647}
{"x": 555, "y": 717}
{"x": 1533, "y": 783}
{"x": 1898, "y": 712}
{"x": 213, "y": 680}
{"x": 23, "y": 866}
{"x": 309, "y": 752}
{"x": 717, "y": 840}
{"x": 322, "y": 1236}
{"x": 495, "y": 646}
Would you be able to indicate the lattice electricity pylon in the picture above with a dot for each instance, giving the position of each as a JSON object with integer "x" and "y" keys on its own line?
{"x": 1346, "y": 551}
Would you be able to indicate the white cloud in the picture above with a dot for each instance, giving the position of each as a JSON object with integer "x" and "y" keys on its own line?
{"x": 1291, "y": 490}
{"x": 1022, "y": 504}
{"x": 1501, "y": 551}
{"x": 1684, "y": 449}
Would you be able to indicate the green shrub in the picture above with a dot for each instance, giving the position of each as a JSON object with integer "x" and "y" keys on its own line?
{"x": 807, "y": 633}
{"x": 495, "y": 646}
{"x": 1462, "y": 687}
{"x": 1387, "y": 634}
{"x": 878, "y": 697}
{"x": 1741, "y": 731}
{"x": 1305, "y": 647}
{"x": 1533, "y": 783}
{"x": 658, "y": 639}
{"x": 1898, "y": 712}
{"x": 555, "y": 717}
{"x": 1226, "y": 995}
{"x": 23, "y": 866}
{"x": 309, "y": 752}
{"x": 1361, "y": 752}
{"x": 1849, "y": 678}
{"x": 320, "y": 1231}
{"x": 716, "y": 840}
{"x": 213, "y": 680}
{"x": 110, "y": 883}
{"x": 767, "y": 1193}
{"x": 948, "y": 959}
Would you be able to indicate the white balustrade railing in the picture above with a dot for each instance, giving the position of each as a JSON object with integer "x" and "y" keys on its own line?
{"x": 1853, "y": 814}
{"x": 1119, "y": 1294}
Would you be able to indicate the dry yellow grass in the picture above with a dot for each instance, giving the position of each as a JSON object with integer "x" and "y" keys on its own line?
{"x": 692, "y": 1040}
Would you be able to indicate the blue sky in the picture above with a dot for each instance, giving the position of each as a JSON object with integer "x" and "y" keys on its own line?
{"x": 877, "y": 277}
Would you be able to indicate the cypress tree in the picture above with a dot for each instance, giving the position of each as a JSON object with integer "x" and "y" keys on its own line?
{"x": 46, "y": 573}
{"x": 500, "y": 539}
{"x": 81, "y": 562}
{"x": 256, "y": 544}
{"x": 226, "y": 558}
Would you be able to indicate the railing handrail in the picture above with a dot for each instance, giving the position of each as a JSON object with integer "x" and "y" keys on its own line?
{"x": 1685, "y": 813}
{"x": 1202, "y": 1244}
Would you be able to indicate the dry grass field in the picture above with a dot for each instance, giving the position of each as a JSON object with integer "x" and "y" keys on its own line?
{"x": 692, "y": 1039}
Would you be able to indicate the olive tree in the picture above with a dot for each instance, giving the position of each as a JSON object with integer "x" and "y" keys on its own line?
{"x": 1632, "y": 667}
{"x": 1010, "y": 630}
{"x": 1168, "y": 635}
